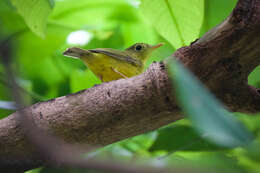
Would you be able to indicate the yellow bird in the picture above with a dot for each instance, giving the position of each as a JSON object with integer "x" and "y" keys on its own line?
{"x": 111, "y": 64}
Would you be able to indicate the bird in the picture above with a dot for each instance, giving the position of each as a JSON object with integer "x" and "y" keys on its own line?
{"x": 111, "y": 64}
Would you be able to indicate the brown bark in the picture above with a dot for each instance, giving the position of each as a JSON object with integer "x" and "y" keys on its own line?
{"x": 101, "y": 115}
{"x": 224, "y": 57}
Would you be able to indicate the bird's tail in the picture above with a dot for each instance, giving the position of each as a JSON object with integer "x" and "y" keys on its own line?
{"x": 76, "y": 52}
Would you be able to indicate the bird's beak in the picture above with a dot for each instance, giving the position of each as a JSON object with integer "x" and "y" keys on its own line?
{"x": 157, "y": 46}
{"x": 74, "y": 52}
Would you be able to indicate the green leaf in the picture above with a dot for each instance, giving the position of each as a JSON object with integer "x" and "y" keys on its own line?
{"x": 86, "y": 12}
{"x": 80, "y": 80}
{"x": 222, "y": 162}
{"x": 139, "y": 144}
{"x": 207, "y": 114}
{"x": 10, "y": 21}
{"x": 37, "y": 170}
{"x": 178, "y": 21}
{"x": 215, "y": 12}
{"x": 191, "y": 141}
{"x": 253, "y": 78}
{"x": 35, "y": 13}
{"x": 254, "y": 151}
{"x": 38, "y": 60}
{"x": 252, "y": 122}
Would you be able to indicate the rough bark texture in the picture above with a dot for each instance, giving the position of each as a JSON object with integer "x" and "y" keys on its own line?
{"x": 224, "y": 57}
{"x": 113, "y": 111}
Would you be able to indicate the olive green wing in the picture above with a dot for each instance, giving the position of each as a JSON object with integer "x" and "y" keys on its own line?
{"x": 117, "y": 54}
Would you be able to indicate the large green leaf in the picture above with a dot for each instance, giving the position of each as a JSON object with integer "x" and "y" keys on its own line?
{"x": 178, "y": 21}
{"x": 207, "y": 114}
{"x": 35, "y": 13}
{"x": 186, "y": 140}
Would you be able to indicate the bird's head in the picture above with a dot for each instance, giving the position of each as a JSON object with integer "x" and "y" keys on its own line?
{"x": 142, "y": 51}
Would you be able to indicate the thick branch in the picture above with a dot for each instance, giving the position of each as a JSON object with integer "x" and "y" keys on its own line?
{"x": 113, "y": 111}
{"x": 224, "y": 57}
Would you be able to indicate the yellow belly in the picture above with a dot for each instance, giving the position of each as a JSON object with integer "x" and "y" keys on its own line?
{"x": 108, "y": 68}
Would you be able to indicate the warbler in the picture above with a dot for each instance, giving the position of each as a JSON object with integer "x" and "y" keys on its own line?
{"x": 111, "y": 64}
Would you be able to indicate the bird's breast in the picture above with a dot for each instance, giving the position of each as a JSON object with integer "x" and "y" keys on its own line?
{"x": 108, "y": 68}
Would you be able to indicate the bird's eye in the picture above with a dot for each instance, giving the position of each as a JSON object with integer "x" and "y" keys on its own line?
{"x": 138, "y": 47}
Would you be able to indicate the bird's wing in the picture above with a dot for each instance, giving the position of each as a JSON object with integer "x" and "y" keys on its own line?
{"x": 117, "y": 54}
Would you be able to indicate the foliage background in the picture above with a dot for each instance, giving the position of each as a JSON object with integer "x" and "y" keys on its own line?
{"x": 40, "y": 30}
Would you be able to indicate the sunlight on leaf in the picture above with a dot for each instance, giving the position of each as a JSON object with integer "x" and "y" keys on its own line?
{"x": 207, "y": 114}
{"x": 178, "y": 21}
{"x": 37, "y": 170}
{"x": 79, "y": 37}
{"x": 35, "y": 13}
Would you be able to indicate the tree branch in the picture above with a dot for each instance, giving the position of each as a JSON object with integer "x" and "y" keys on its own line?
{"x": 225, "y": 56}
{"x": 101, "y": 115}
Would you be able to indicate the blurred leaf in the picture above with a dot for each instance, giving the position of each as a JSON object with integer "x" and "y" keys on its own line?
{"x": 35, "y": 13}
{"x": 139, "y": 144}
{"x": 4, "y": 113}
{"x": 178, "y": 21}
{"x": 39, "y": 86}
{"x": 114, "y": 152}
{"x": 207, "y": 114}
{"x": 248, "y": 157}
{"x": 80, "y": 80}
{"x": 4, "y": 89}
{"x": 37, "y": 170}
{"x": 119, "y": 13}
{"x": 10, "y": 21}
{"x": 206, "y": 162}
{"x": 172, "y": 139}
{"x": 112, "y": 38}
{"x": 253, "y": 151}
{"x": 64, "y": 87}
{"x": 253, "y": 78}
{"x": 34, "y": 55}
{"x": 4, "y": 95}
{"x": 138, "y": 32}
{"x": 215, "y": 11}
{"x": 252, "y": 122}
{"x": 87, "y": 12}
{"x": 68, "y": 170}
